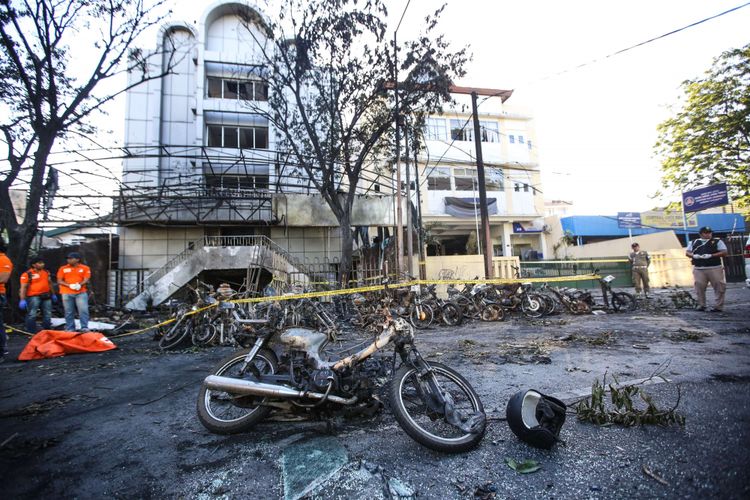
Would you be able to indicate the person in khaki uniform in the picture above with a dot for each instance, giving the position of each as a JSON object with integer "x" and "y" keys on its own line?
{"x": 706, "y": 253}
{"x": 639, "y": 262}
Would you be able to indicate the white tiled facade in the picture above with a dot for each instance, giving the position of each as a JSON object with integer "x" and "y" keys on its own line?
{"x": 512, "y": 178}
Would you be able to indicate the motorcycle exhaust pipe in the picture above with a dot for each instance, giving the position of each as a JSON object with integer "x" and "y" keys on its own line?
{"x": 248, "y": 388}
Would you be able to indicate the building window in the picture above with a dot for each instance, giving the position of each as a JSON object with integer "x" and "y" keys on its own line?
{"x": 237, "y": 137}
{"x": 234, "y": 184}
{"x": 512, "y": 139}
{"x": 493, "y": 179}
{"x": 461, "y": 131}
{"x": 434, "y": 129}
{"x": 528, "y": 143}
{"x": 520, "y": 139}
{"x": 525, "y": 188}
{"x": 517, "y": 187}
{"x": 439, "y": 179}
{"x": 490, "y": 131}
{"x": 465, "y": 178}
{"x": 245, "y": 90}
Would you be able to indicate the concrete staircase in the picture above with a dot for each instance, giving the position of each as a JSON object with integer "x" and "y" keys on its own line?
{"x": 214, "y": 253}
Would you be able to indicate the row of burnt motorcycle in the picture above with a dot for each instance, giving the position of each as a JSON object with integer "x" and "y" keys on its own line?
{"x": 423, "y": 308}
{"x": 420, "y": 305}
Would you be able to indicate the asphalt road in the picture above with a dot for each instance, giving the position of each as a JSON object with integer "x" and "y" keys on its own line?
{"x": 123, "y": 423}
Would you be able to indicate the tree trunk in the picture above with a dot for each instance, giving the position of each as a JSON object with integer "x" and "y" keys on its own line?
{"x": 345, "y": 265}
{"x": 21, "y": 236}
{"x": 18, "y": 252}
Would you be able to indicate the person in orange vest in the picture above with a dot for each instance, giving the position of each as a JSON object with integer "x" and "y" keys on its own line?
{"x": 72, "y": 279}
{"x": 37, "y": 293}
{"x": 6, "y": 267}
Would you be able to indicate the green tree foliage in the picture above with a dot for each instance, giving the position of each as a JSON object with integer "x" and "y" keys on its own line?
{"x": 708, "y": 139}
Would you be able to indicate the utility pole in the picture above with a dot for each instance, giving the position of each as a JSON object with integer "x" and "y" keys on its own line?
{"x": 409, "y": 221}
{"x": 399, "y": 215}
{"x": 420, "y": 235}
{"x": 486, "y": 238}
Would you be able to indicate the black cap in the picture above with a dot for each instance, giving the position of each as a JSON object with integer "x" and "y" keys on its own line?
{"x": 705, "y": 229}
{"x": 35, "y": 259}
{"x": 74, "y": 255}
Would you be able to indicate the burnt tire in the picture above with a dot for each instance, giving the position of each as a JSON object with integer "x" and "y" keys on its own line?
{"x": 623, "y": 302}
{"x": 452, "y": 314}
{"x": 404, "y": 398}
{"x": 176, "y": 333}
{"x": 532, "y": 306}
{"x": 246, "y": 410}
{"x": 421, "y": 316}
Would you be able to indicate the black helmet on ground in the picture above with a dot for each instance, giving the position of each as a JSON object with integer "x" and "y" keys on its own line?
{"x": 536, "y": 418}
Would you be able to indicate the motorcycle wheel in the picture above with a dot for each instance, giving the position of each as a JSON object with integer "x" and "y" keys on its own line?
{"x": 452, "y": 314}
{"x": 579, "y": 307}
{"x": 549, "y": 305}
{"x": 224, "y": 413}
{"x": 425, "y": 426}
{"x": 468, "y": 308}
{"x": 423, "y": 320}
{"x": 532, "y": 306}
{"x": 493, "y": 312}
{"x": 623, "y": 301}
{"x": 176, "y": 333}
{"x": 204, "y": 333}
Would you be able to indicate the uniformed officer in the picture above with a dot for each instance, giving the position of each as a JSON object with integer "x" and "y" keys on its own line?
{"x": 706, "y": 253}
{"x": 639, "y": 262}
{"x": 6, "y": 267}
{"x": 72, "y": 280}
{"x": 36, "y": 294}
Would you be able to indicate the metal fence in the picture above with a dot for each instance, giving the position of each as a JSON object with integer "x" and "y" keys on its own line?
{"x": 619, "y": 268}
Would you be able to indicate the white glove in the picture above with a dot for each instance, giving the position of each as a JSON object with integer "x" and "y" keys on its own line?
{"x": 75, "y": 286}
{"x": 703, "y": 256}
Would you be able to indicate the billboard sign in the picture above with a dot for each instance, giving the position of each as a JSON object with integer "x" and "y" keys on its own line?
{"x": 704, "y": 197}
{"x": 628, "y": 220}
{"x": 667, "y": 220}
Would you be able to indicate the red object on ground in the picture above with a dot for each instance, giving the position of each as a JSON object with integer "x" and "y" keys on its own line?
{"x": 52, "y": 344}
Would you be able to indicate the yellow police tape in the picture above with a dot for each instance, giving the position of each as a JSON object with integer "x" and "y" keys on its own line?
{"x": 349, "y": 291}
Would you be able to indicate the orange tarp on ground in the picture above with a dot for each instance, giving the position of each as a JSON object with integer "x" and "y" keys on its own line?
{"x": 52, "y": 343}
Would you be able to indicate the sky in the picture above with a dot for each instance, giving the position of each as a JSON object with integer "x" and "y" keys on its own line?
{"x": 596, "y": 124}
{"x": 595, "y": 116}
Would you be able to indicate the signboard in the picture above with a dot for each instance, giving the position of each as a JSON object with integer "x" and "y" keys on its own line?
{"x": 527, "y": 227}
{"x": 705, "y": 197}
{"x": 670, "y": 220}
{"x": 628, "y": 220}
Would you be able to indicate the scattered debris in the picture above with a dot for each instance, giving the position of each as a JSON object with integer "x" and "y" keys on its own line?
{"x": 624, "y": 410}
{"x": 487, "y": 491}
{"x": 684, "y": 335}
{"x": 602, "y": 338}
{"x": 307, "y": 464}
{"x": 526, "y": 467}
{"x": 647, "y": 470}
{"x": 38, "y": 407}
{"x": 398, "y": 490}
{"x": 682, "y": 299}
{"x": 9, "y": 439}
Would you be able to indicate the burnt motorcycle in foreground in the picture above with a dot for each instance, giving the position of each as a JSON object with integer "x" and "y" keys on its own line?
{"x": 432, "y": 403}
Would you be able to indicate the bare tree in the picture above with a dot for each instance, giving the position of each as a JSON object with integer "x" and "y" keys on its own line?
{"x": 43, "y": 102}
{"x": 328, "y": 66}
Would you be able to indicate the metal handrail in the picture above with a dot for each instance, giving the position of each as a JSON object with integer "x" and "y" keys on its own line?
{"x": 215, "y": 241}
